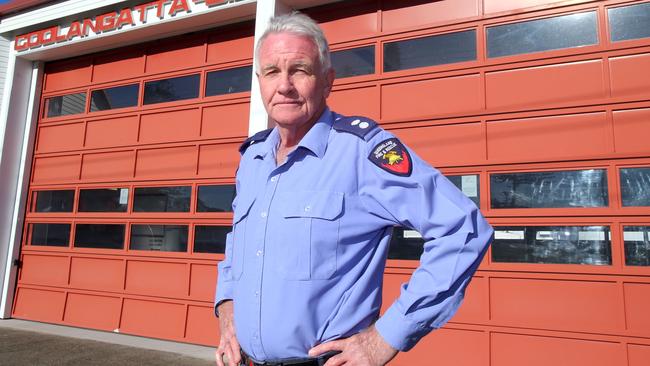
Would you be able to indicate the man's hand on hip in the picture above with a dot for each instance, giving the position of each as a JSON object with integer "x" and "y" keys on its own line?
{"x": 228, "y": 344}
{"x": 366, "y": 348}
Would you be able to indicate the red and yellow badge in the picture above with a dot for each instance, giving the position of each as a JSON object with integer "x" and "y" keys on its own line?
{"x": 392, "y": 156}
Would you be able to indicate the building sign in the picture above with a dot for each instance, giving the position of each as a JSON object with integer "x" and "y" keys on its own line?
{"x": 125, "y": 18}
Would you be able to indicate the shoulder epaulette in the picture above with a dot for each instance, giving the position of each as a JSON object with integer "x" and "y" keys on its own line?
{"x": 358, "y": 126}
{"x": 258, "y": 137}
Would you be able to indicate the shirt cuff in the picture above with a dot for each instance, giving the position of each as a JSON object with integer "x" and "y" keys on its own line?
{"x": 399, "y": 331}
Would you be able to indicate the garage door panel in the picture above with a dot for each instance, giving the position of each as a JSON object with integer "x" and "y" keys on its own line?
{"x": 202, "y": 326}
{"x": 120, "y": 131}
{"x": 538, "y": 86}
{"x": 225, "y": 121}
{"x": 514, "y": 349}
{"x": 446, "y": 145}
{"x": 67, "y": 75}
{"x": 60, "y": 138}
{"x": 356, "y": 22}
{"x": 97, "y": 274}
{"x": 183, "y": 53}
{"x": 230, "y": 47}
{"x": 203, "y": 281}
{"x": 90, "y": 311}
{"x": 637, "y": 299}
{"x": 631, "y": 130}
{"x": 56, "y": 169}
{"x": 219, "y": 160}
{"x": 45, "y": 270}
{"x": 108, "y": 166}
{"x": 497, "y": 6}
{"x": 544, "y": 138}
{"x": 162, "y": 319}
{"x": 118, "y": 66}
{"x": 356, "y": 102}
{"x": 407, "y": 14}
{"x": 457, "y": 94}
{"x": 157, "y": 278}
{"x": 39, "y": 305}
{"x": 638, "y": 355}
{"x": 169, "y": 126}
{"x": 448, "y": 347}
{"x": 629, "y": 75}
{"x": 476, "y": 304}
{"x": 557, "y": 304}
{"x": 173, "y": 162}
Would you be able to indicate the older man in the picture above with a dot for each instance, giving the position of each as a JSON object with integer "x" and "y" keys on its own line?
{"x": 317, "y": 199}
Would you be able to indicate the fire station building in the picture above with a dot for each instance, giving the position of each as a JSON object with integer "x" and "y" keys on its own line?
{"x": 120, "y": 123}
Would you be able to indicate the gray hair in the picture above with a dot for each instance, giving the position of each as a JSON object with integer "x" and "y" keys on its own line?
{"x": 300, "y": 24}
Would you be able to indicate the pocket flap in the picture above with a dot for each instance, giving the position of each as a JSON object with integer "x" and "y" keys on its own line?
{"x": 317, "y": 204}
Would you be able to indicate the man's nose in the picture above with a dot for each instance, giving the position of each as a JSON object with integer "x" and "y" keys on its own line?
{"x": 286, "y": 84}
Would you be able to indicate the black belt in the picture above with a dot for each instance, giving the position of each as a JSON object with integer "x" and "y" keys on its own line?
{"x": 316, "y": 361}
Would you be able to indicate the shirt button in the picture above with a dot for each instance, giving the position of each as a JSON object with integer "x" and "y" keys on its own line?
{"x": 264, "y": 214}
{"x": 275, "y": 178}
{"x": 307, "y": 208}
{"x": 259, "y": 253}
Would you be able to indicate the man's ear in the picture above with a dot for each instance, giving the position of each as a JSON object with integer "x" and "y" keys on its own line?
{"x": 329, "y": 78}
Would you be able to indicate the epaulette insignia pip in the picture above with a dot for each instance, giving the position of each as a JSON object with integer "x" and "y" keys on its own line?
{"x": 359, "y": 126}
{"x": 258, "y": 137}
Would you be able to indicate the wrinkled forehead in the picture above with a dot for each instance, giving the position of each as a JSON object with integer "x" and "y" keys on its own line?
{"x": 283, "y": 45}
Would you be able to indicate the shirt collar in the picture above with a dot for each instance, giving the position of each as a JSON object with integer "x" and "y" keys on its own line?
{"x": 315, "y": 140}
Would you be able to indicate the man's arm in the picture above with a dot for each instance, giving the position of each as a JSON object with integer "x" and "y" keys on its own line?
{"x": 228, "y": 349}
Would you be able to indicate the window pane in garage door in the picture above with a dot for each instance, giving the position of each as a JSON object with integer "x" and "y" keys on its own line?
{"x": 229, "y": 81}
{"x": 552, "y": 244}
{"x": 635, "y": 186}
{"x": 560, "y": 189}
{"x": 354, "y": 62}
{"x": 54, "y": 235}
{"x": 112, "y": 98}
{"x": 162, "y": 199}
{"x": 103, "y": 200}
{"x": 429, "y": 51}
{"x": 162, "y": 238}
{"x": 172, "y": 89}
{"x": 217, "y": 198}
{"x": 405, "y": 244}
{"x": 637, "y": 245}
{"x": 629, "y": 22}
{"x": 210, "y": 239}
{"x": 565, "y": 31}
{"x": 104, "y": 236}
{"x": 54, "y": 201}
{"x": 468, "y": 184}
{"x": 66, "y": 105}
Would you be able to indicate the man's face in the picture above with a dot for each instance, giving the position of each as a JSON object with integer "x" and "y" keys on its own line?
{"x": 293, "y": 85}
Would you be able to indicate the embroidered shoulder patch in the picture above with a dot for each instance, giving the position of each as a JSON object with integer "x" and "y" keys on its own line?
{"x": 392, "y": 156}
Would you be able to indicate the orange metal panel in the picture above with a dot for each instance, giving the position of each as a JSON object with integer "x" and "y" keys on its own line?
{"x": 346, "y": 22}
{"x": 230, "y": 47}
{"x": 41, "y": 305}
{"x": 108, "y": 166}
{"x": 118, "y": 66}
{"x": 409, "y": 14}
{"x": 170, "y": 126}
{"x": 630, "y": 76}
{"x": 356, "y": 102}
{"x": 44, "y": 270}
{"x": 476, "y": 304}
{"x": 173, "y": 162}
{"x": 65, "y": 75}
{"x": 557, "y": 304}
{"x": 462, "y": 144}
{"x": 517, "y": 350}
{"x": 60, "y": 138}
{"x": 97, "y": 274}
{"x": 202, "y": 326}
{"x": 496, "y": 6}
{"x": 539, "y": 86}
{"x": 454, "y": 94}
{"x": 545, "y": 138}
{"x": 638, "y": 355}
{"x": 112, "y": 132}
{"x": 176, "y": 54}
{"x": 223, "y": 121}
{"x": 637, "y": 306}
{"x": 448, "y": 347}
{"x": 97, "y": 312}
{"x": 56, "y": 169}
{"x": 631, "y": 130}
{"x": 153, "y": 318}
{"x": 202, "y": 282}
{"x": 157, "y": 278}
{"x": 218, "y": 160}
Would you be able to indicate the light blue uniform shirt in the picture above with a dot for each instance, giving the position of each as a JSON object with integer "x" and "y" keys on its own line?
{"x": 305, "y": 260}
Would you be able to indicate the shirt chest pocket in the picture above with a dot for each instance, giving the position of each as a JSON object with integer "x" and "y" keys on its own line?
{"x": 309, "y": 236}
{"x": 237, "y": 248}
